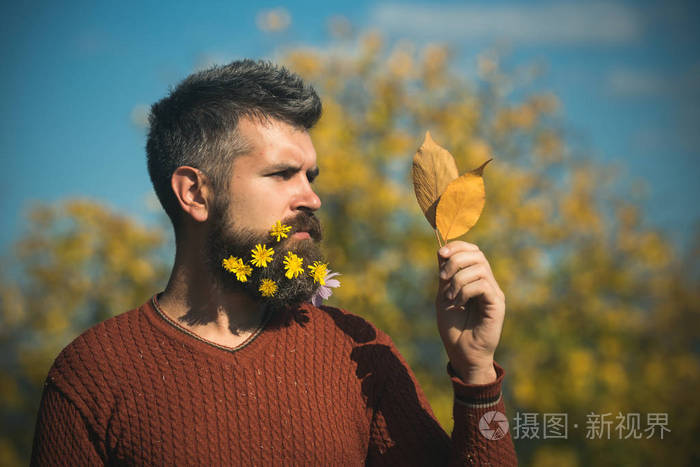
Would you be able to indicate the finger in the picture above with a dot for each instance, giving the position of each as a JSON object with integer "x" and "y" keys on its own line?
{"x": 473, "y": 289}
{"x": 444, "y": 253}
{"x": 457, "y": 262}
{"x": 455, "y": 247}
{"x": 460, "y": 261}
{"x": 473, "y": 272}
{"x": 465, "y": 276}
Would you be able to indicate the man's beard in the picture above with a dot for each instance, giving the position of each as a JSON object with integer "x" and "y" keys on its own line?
{"x": 226, "y": 240}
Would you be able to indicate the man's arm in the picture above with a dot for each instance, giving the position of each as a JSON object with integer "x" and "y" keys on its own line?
{"x": 61, "y": 436}
{"x": 404, "y": 430}
{"x": 470, "y": 310}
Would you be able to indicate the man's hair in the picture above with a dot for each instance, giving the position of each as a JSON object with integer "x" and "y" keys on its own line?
{"x": 196, "y": 125}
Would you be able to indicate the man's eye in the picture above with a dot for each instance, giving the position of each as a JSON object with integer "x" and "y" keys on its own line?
{"x": 312, "y": 174}
{"x": 285, "y": 174}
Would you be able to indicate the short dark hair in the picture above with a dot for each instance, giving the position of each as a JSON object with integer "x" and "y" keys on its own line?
{"x": 196, "y": 124}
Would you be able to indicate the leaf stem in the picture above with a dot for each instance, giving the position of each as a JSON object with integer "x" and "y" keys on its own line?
{"x": 437, "y": 234}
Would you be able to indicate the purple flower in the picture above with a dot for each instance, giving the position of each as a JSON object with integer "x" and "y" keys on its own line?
{"x": 324, "y": 291}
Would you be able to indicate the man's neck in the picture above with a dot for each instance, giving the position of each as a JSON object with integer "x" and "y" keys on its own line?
{"x": 192, "y": 300}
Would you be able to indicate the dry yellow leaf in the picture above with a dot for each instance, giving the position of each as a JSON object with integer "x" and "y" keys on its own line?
{"x": 461, "y": 204}
{"x": 433, "y": 169}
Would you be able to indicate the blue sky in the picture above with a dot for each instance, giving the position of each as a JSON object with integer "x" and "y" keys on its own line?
{"x": 76, "y": 74}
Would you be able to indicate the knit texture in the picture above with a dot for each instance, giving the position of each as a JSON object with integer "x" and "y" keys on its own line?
{"x": 318, "y": 386}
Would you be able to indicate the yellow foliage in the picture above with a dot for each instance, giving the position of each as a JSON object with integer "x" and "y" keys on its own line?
{"x": 478, "y": 150}
{"x": 524, "y": 391}
{"x": 401, "y": 62}
{"x": 435, "y": 61}
{"x": 304, "y": 62}
{"x": 371, "y": 42}
{"x": 581, "y": 374}
{"x": 614, "y": 376}
{"x": 548, "y": 147}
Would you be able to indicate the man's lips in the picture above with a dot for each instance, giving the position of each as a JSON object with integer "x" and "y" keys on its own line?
{"x": 301, "y": 235}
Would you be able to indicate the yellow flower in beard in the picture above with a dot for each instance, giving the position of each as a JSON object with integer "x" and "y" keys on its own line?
{"x": 293, "y": 265}
{"x": 261, "y": 255}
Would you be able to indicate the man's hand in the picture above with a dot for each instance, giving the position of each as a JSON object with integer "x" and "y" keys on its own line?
{"x": 470, "y": 310}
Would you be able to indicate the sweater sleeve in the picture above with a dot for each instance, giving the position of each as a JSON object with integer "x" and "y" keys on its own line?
{"x": 61, "y": 436}
{"x": 404, "y": 430}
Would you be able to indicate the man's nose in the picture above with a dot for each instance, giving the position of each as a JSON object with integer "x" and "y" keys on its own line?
{"x": 308, "y": 198}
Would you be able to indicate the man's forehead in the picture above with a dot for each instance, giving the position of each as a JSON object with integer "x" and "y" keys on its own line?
{"x": 275, "y": 142}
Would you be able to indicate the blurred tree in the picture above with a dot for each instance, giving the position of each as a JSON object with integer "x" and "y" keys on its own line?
{"x": 602, "y": 311}
{"x": 79, "y": 263}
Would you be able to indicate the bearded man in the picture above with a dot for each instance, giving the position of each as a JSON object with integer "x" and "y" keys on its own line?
{"x": 232, "y": 364}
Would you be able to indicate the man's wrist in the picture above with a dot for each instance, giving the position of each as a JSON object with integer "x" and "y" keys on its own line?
{"x": 474, "y": 394}
{"x": 484, "y": 374}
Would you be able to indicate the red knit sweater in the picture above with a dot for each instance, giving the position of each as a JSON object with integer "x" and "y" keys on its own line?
{"x": 317, "y": 386}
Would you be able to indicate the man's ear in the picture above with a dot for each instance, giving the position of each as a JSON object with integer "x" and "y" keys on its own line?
{"x": 192, "y": 192}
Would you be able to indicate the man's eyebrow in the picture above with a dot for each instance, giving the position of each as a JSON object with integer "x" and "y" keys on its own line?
{"x": 281, "y": 167}
{"x": 284, "y": 166}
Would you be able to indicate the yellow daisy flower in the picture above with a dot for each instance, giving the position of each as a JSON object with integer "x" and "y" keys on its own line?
{"x": 261, "y": 255}
{"x": 293, "y": 264}
{"x": 318, "y": 271}
{"x": 230, "y": 263}
{"x": 243, "y": 271}
{"x": 268, "y": 288}
{"x": 279, "y": 231}
{"x": 238, "y": 267}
